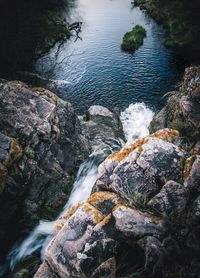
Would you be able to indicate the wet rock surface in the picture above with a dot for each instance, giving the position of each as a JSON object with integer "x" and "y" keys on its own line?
{"x": 102, "y": 128}
{"x": 137, "y": 219}
{"x": 142, "y": 218}
{"x": 42, "y": 143}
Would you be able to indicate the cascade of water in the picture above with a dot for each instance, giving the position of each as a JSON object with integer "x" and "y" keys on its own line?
{"x": 135, "y": 120}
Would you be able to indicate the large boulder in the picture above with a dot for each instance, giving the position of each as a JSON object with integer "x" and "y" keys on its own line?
{"x": 139, "y": 220}
{"x": 102, "y": 128}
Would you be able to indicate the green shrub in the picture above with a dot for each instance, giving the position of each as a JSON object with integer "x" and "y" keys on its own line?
{"x": 134, "y": 39}
{"x": 183, "y": 127}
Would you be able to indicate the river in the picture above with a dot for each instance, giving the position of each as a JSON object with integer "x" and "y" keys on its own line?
{"x": 94, "y": 69}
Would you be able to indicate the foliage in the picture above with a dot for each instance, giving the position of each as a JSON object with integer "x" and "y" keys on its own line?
{"x": 134, "y": 39}
{"x": 181, "y": 21}
{"x": 183, "y": 127}
{"x": 28, "y": 29}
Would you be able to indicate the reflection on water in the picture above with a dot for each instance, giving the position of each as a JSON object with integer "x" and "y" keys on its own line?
{"x": 98, "y": 71}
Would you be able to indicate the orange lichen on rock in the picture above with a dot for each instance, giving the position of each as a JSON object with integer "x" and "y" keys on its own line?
{"x": 166, "y": 134}
{"x": 188, "y": 167}
{"x": 124, "y": 152}
{"x": 42, "y": 91}
{"x": 90, "y": 210}
{"x": 106, "y": 220}
{"x": 97, "y": 216}
{"x": 14, "y": 154}
{"x": 102, "y": 196}
{"x": 64, "y": 217}
{"x": 15, "y": 150}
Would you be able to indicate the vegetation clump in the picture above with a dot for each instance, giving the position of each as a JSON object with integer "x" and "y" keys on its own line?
{"x": 134, "y": 39}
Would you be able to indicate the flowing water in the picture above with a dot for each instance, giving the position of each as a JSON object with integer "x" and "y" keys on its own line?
{"x": 135, "y": 120}
{"x": 95, "y": 70}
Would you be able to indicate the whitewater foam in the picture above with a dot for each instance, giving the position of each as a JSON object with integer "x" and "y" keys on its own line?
{"x": 135, "y": 121}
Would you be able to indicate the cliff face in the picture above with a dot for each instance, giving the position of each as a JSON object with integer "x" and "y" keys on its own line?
{"x": 142, "y": 219}
{"x": 182, "y": 111}
{"x": 40, "y": 146}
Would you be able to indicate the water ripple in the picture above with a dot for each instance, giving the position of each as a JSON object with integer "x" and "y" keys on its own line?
{"x": 99, "y": 72}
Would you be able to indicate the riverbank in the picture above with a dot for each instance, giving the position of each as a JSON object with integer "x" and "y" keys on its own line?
{"x": 28, "y": 30}
{"x": 181, "y": 22}
{"x": 96, "y": 67}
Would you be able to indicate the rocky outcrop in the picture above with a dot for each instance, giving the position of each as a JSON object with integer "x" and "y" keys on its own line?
{"x": 142, "y": 218}
{"x": 102, "y": 128}
{"x": 42, "y": 143}
{"x": 182, "y": 111}
{"x": 137, "y": 221}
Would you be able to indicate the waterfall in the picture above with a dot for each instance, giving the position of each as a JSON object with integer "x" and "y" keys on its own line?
{"x": 135, "y": 120}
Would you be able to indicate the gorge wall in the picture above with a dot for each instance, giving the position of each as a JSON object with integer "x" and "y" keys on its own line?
{"x": 42, "y": 144}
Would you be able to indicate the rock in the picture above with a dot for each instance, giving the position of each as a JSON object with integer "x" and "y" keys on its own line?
{"x": 190, "y": 109}
{"x": 135, "y": 221}
{"x": 142, "y": 169}
{"x": 41, "y": 145}
{"x": 182, "y": 110}
{"x": 171, "y": 200}
{"x": 97, "y": 114}
{"x": 67, "y": 252}
{"x": 10, "y": 153}
{"x": 193, "y": 180}
{"x": 135, "y": 225}
{"x": 106, "y": 269}
{"x": 45, "y": 271}
{"x": 102, "y": 128}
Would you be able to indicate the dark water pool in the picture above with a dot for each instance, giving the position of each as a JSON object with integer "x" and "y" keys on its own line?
{"x": 98, "y": 71}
